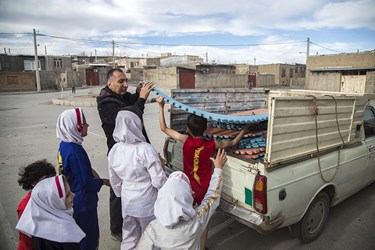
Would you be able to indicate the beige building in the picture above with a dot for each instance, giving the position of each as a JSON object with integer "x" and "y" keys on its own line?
{"x": 268, "y": 75}
{"x": 285, "y": 74}
{"x": 350, "y": 73}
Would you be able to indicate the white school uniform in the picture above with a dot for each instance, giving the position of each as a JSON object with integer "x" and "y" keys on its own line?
{"x": 46, "y": 212}
{"x": 135, "y": 174}
{"x": 178, "y": 225}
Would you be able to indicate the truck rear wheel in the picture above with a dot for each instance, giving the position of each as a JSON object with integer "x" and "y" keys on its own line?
{"x": 312, "y": 223}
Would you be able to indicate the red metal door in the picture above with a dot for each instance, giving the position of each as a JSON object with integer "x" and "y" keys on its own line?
{"x": 186, "y": 79}
{"x": 92, "y": 78}
{"x": 252, "y": 81}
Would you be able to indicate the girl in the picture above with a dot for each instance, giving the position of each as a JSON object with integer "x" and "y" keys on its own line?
{"x": 48, "y": 216}
{"x": 74, "y": 163}
{"x": 29, "y": 177}
{"x": 136, "y": 175}
{"x": 178, "y": 225}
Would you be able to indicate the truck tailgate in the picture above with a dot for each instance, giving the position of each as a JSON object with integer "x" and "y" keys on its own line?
{"x": 238, "y": 183}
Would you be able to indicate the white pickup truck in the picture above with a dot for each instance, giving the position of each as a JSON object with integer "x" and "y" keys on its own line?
{"x": 320, "y": 150}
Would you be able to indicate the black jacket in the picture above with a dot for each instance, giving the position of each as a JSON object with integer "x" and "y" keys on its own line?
{"x": 109, "y": 104}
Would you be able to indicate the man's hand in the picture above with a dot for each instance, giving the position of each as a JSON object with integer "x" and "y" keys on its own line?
{"x": 139, "y": 86}
{"x": 146, "y": 89}
{"x": 221, "y": 158}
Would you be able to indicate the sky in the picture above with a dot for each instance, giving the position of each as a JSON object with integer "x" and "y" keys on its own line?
{"x": 242, "y": 31}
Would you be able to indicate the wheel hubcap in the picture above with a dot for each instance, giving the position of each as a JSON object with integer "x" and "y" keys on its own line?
{"x": 316, "y": 217}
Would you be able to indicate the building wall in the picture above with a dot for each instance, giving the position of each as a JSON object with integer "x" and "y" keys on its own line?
{"x": 162, "y": 77}
{"x": 15, "y": 63}
{"x": 218, "y": 80}
{"x": 353, "y": 83}
{"x": 370, "y": 83}
{"x": 149, "y": 62}
{"x": 330, "y": 81}
{"x": 180, "y": 60}
{"x": 17, "y": 81}
{"x": 362, "y": 59}
{"x": 66, "y": 62}
{"x": 291, "y": 73}
{"x": 135, "y": 74}
{"x": 246, "y": 69}
{"x": 265, "y": 80}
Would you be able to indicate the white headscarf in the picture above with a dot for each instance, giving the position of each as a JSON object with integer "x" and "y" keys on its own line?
{"x": 69, "y": 124}
{"x": 46, "y": 215}
{"x": 128, "y": 128}
{"x": 175, "y": 200}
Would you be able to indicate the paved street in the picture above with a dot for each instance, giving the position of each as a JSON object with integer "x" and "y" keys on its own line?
{"x": 27, "y": 134}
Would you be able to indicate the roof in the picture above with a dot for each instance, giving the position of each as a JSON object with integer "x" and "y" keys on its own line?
{"x": 329, "y": 69}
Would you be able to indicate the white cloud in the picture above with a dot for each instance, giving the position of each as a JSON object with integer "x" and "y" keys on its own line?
{"x": 267, "y": 22}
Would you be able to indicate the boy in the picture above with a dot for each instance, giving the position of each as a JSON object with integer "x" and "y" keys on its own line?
{"x": 196, "y": 153}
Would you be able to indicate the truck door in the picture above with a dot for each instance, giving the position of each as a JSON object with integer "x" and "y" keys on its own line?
{"x": 369, "y": 127}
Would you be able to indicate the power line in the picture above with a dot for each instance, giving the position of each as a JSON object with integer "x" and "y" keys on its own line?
{"x": 168, "y": 44}
{"x": 326, "y": 48}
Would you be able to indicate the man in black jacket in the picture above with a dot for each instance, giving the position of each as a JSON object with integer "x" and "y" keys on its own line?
{"x": 113, "y": 98}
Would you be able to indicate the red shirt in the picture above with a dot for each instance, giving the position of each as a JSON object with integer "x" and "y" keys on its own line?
{"x": 24, "y": 242}
{"x": 197, "y": 165}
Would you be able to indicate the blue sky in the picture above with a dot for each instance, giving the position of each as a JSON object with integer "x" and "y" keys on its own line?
{"x": 242, "y": 31}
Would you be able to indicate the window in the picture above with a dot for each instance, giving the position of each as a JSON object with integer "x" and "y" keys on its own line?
{"x": 57, "y": 63}
{"x": 29, "y": 65}
{"x": 283, "y": 72}
{"x": 296, "y": 70}
{"x": 369, "y": 121}
{"x": 291, "y": 73}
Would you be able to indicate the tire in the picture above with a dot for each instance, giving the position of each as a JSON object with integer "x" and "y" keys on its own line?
{"x": 312, "y": 223}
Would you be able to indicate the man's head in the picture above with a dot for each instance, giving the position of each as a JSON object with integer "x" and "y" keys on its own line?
{"x": 117, "y": 81}
{"x": 196, "y": 125}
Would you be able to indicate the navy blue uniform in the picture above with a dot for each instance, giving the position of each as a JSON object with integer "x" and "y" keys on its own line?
{"x": 74, "y": 163}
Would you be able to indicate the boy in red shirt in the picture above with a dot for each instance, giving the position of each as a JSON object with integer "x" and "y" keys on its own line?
{"x": 29, "y": 177}
{"x": 196, "y": 154}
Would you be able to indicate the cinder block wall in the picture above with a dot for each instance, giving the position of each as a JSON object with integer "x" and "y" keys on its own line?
{"x": 17, "y": 81}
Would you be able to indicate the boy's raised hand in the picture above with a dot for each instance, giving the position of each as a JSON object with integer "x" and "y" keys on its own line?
{"x": 161, "y": 101}
{"x": 246, "y": 126}
{"x": 221, "y": 158}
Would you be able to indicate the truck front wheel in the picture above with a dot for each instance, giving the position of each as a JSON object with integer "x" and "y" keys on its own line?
{"x": 312, "y": 223}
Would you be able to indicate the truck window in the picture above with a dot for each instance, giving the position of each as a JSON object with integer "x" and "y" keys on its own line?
{"x": 369, "y": 122}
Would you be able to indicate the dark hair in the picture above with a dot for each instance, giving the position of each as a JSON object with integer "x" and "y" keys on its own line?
{"x": 35, "y": 171}
{"x": 110, "y": 73}
{"x": 196, "y": 124}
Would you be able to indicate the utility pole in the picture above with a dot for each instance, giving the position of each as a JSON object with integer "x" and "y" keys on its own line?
{"x": 113, "y": 53}
{"x": 36, "y": 64}
{"x": 307, "y": 61}
{"x": 96, "y": 58}
{"x": 45, "y": 52}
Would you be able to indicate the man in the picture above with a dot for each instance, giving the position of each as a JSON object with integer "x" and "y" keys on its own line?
{"x": 112, "y": 99}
